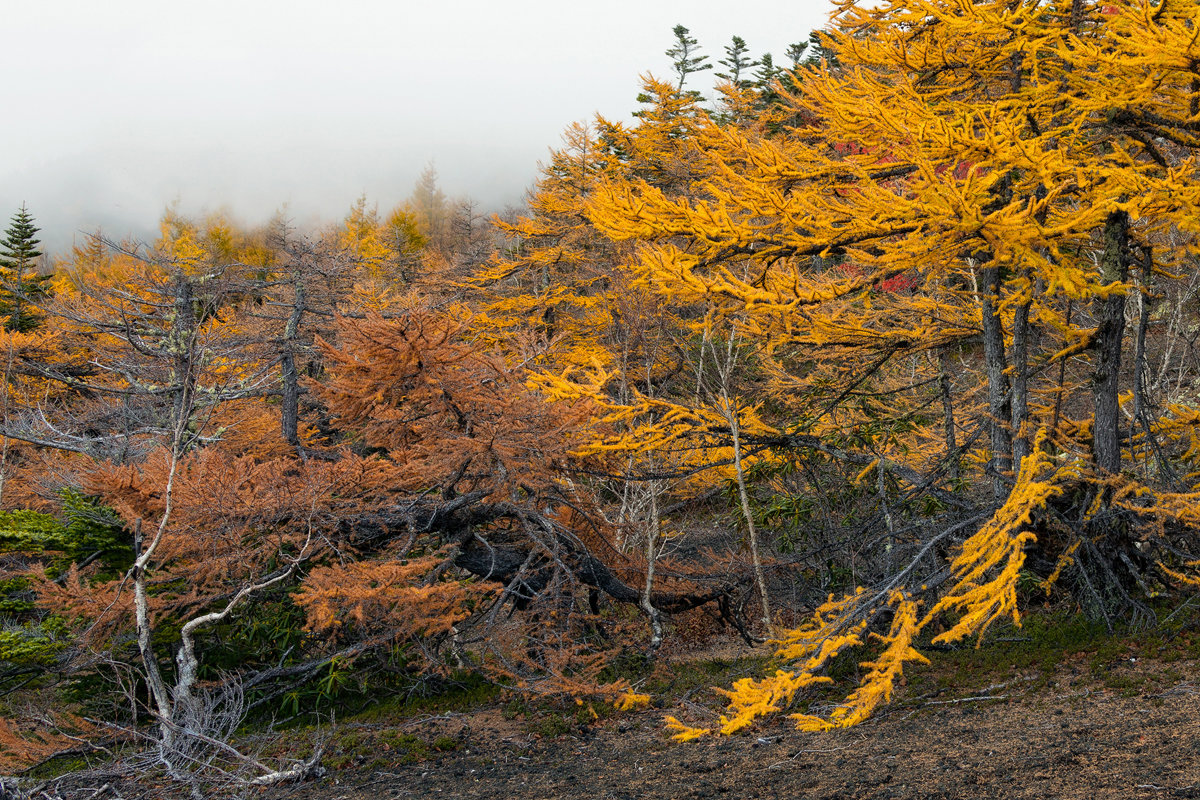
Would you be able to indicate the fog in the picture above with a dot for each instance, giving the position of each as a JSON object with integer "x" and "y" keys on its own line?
{"x": 115, "y": 110}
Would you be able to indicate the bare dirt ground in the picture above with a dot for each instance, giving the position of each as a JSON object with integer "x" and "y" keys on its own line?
{"x": 1125, "y": 729}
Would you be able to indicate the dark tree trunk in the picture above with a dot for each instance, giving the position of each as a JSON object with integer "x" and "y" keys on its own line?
{"x": 948, "y": 411}
{"x": 1110, "y": 333}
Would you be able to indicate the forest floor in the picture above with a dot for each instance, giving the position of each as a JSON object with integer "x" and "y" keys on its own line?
{"x": 1067, "y": 715}
{"x": 1055, "y": 709}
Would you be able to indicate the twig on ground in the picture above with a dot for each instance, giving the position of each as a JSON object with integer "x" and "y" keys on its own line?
{"x": 1172, "y": 789}
{"x": 1186, "y": 687}
{"x": 433, "y": 718}
{"x": 799, "y": 753}
{"x": 976, "y": 699}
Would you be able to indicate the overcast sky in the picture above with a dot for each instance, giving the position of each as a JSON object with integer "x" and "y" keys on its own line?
{"x": 112, "y": 110}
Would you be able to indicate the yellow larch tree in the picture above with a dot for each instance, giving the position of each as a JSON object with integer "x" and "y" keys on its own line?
{"x": 552, "y": 281}
{"x": 980, "y": 180}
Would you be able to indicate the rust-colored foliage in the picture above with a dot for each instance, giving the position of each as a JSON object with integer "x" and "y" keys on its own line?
{"x": 34, "y": 736}
{"x": 401, "y": 596}
{"x": 445, "y": 412}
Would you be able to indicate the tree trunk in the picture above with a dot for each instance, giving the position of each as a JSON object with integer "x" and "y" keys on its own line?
{"x": 7, "y": 389}
{"x": 1110, "y": 313}
{"x": 290, "y": 412}
{"x": 1141, "y": 403}
{"x": 751, "y": 533}
{"x": 1062, "y": 377}
{"x": 183, "y": 351}
{"x": 999, "y": 397}
{"x": 653, "y": 541}
{"x": 1139, "y": 356}
{"x": 1020, "y": 382}
{"x": 948, "y": 411}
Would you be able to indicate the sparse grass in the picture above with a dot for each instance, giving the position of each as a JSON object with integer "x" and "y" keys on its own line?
{"x": 549, "y": 725}
{"x": 369, "y": 748}
{"x": 550, "y": 718}
{"x": 57, "y": 767}
{"x": 674, "y": 680}
{"x": 458, "y": 694}
{"x": 1053, "y": 639}
{"x": 446, "y": 744}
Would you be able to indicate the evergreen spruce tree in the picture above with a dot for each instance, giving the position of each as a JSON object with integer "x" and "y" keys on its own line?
{"x": 766, "y": 78}
{"x": 767, "y": 71}
{"x": 819, "y": 50}
{"x": 738, "y": 64}
{"x": 20, "y": 284}
{"x": 684, "y": 57}
{"x": 796, "y": 52}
